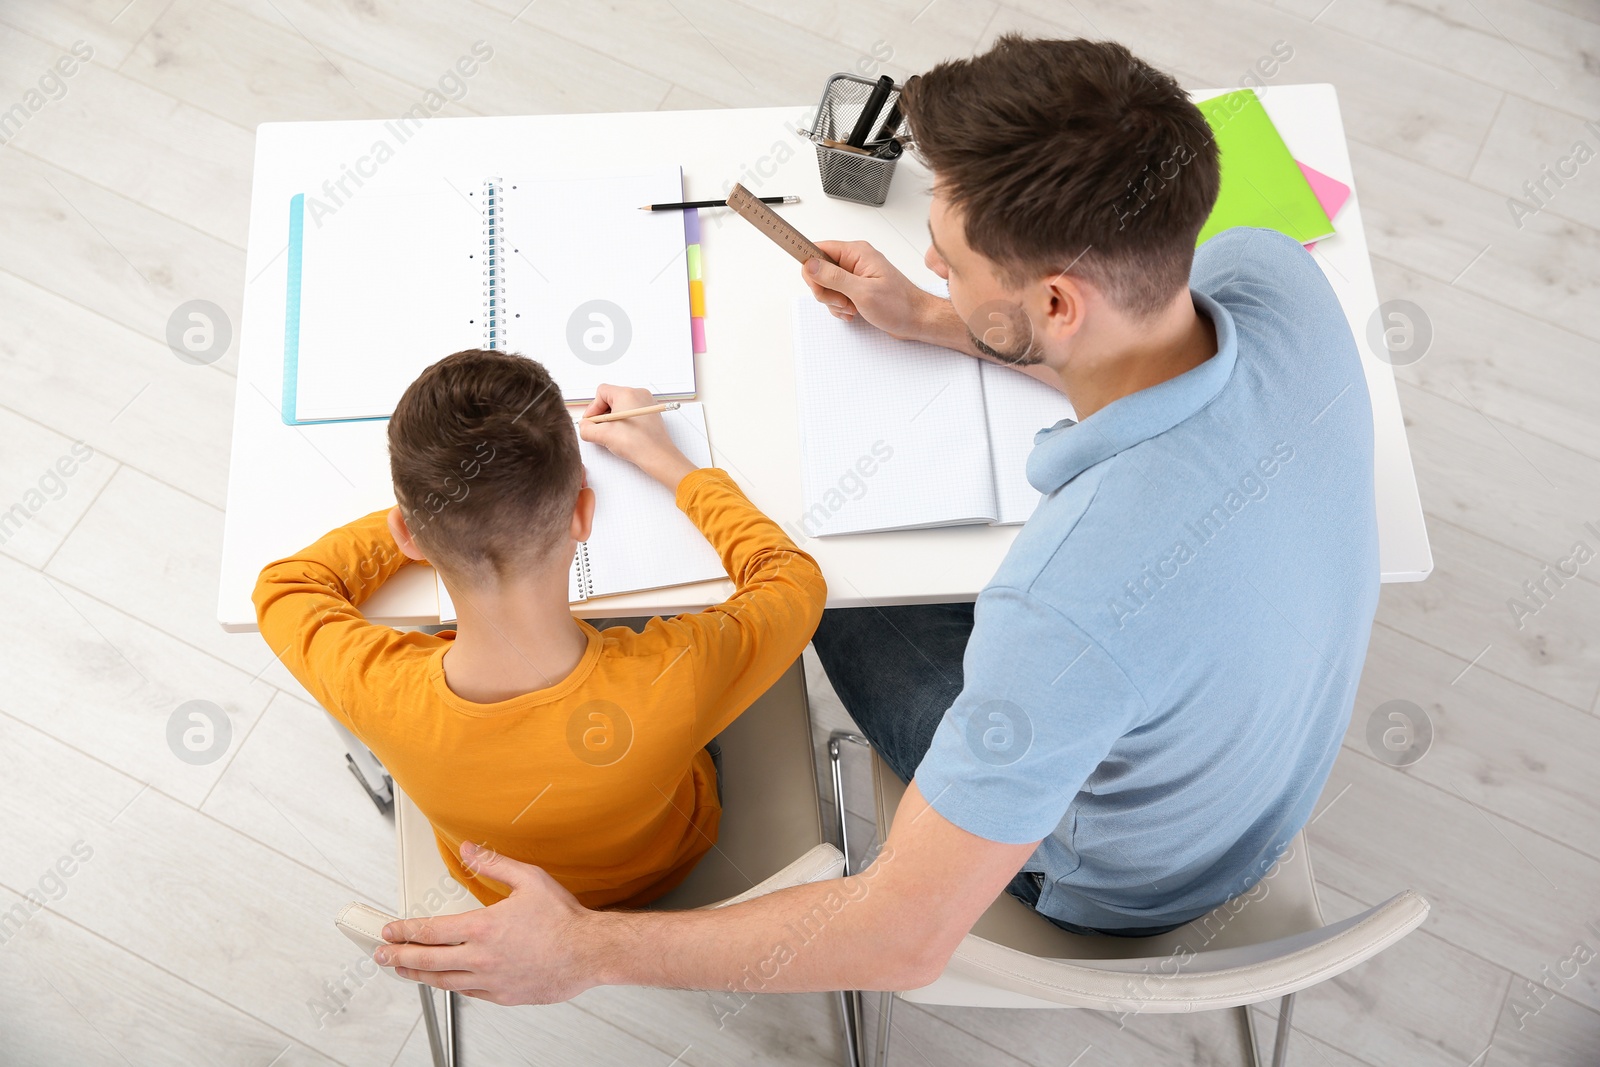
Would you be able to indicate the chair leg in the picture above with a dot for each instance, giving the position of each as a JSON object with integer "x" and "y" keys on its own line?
{"x": 835, "y": 739}
{"x": 1280, "y": 1041}
{"x": 430, "y": 1019}
{"x": 885, "y": 1006}
{"x": 1280, "y": 1044}
{"x": 1252, "y": 1050}
{"x": 849, "y": 1012}
{"x": 849, "y": 999}
{"x": 452, "y": 1043}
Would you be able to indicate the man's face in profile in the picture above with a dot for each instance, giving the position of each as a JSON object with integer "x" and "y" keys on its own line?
{"x": 997, "y": 324}
{"x": 1001, "y": 330}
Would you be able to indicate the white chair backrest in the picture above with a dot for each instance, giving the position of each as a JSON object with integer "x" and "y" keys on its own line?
{"x": 985, "y": 974}
{"x": 1264, "y": 943}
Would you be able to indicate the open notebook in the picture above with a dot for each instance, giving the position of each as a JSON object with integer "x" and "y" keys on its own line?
{"x": 900, "y": 435}
{"x": 640, "y": 539}
{"x": 564, "y": 270}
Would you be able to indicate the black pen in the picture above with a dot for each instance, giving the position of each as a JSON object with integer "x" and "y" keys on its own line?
{"x": 715, "y": 203}
{"x": 891, "y": 124}
{"x": 869, "y": 111}
{"x": 886, "y": 149}
{"x": 887, "y": 143}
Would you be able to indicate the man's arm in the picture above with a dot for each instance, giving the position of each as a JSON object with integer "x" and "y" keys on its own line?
{"x": 866, "y": 284}
{"x": 892, "y": 926}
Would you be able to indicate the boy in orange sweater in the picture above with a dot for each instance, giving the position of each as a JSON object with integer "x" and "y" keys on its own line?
{"x": 526, "y": 730}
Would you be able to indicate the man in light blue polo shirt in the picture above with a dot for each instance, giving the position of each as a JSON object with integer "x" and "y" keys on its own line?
{"x": 1143, "y": 705}
{"x": 1156, "y": 681}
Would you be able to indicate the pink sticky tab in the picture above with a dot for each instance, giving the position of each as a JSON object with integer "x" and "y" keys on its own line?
{"x": 697, "y": 333}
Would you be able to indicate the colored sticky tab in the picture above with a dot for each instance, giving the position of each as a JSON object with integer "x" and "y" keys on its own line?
{"x": 697, "y": 288}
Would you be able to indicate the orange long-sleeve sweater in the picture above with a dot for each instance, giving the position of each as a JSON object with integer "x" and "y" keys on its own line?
{"x": 601, "y": 779}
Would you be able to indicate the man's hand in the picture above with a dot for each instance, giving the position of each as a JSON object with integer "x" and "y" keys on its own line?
{"x": 518, "y": 952}
{"x": 641, "y": 440}
{"x": 891, "y": 926}
{"x": 865, "y": 283}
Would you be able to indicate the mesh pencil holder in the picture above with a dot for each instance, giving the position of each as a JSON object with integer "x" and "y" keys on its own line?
{"x": 848, "y": 175}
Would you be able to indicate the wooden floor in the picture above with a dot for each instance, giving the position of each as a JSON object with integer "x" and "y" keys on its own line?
{"x": 189, "y": 905}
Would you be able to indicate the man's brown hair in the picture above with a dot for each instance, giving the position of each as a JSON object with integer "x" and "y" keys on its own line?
{"x": 1072, "y": 157}
{"x": 485, "y": 463}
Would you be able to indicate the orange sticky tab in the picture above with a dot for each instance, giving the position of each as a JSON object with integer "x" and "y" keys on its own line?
{"x": 697, "y": 299}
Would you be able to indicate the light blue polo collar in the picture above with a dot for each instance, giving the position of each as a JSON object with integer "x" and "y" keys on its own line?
{"x": 1067, "y": 449}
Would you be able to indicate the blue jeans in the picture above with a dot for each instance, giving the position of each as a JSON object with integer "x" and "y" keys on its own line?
{"x": 897, "y": 670}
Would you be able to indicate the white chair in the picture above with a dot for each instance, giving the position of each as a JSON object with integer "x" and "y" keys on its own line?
{"x": 770, "y": 816}
{"x": 1265, "y": 945}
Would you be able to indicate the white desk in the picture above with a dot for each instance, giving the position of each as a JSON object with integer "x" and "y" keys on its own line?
{"x": 289, "y": 485}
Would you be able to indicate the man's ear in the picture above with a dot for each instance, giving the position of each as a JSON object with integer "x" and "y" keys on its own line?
{"x": 582, "y": 515}
{"x": 402, "y": 535}
{"x": 1064, "y": 298}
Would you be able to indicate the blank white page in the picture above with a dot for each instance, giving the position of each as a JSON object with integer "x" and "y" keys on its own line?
{"x": 892, "y": 433}
{"x": 389, "y": 285}
{"x": 1017, "y": 408}
{"x": 640, "y": 539}
{"x": 597, "y": 290}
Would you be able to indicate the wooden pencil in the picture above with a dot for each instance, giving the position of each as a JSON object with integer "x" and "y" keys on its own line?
{"x": 614, "y": 416}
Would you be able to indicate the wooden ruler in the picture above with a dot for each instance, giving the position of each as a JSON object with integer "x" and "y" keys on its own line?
{"x": 770, "y": 223}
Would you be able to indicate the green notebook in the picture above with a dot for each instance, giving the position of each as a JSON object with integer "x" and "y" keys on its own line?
{"x": 1261, "y": 183}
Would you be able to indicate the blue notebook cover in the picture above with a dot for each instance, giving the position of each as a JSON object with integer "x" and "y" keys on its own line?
{"x": 291, "y": 310}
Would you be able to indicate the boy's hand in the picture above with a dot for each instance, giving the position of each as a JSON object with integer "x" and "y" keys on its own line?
{"x": 641, "y": 440}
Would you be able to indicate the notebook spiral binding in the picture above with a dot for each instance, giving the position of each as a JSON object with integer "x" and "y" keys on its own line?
{"x": 580, "y": 563}
{"x": 493, "y": 269}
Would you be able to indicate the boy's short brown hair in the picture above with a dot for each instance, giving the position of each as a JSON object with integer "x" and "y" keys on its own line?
{"x": 485, "y": 463}
{"x": 1070, "y": 157}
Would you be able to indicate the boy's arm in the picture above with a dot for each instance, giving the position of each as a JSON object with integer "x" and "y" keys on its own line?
{"x": 307, "y": 610}
{"x": 740, "y": 647}
{"x": 731, "y": 653}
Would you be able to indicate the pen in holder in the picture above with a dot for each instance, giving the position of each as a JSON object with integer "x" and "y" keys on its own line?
{"x": 859, "y": 134}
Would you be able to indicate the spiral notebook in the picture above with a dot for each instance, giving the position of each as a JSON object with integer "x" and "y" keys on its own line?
{"x": 566, "y": 270}
{"x": 901, "y": 435}
{"x": 640, "y": 539}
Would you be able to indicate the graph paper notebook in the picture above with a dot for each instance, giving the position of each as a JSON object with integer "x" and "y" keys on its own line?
{"x": 900, "y": 435}
{"x": 640, "y": 539}
{"x": 565, "y": 270}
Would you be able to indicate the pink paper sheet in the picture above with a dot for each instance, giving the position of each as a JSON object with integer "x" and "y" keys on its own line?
{"x": 1331, "y": 193}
